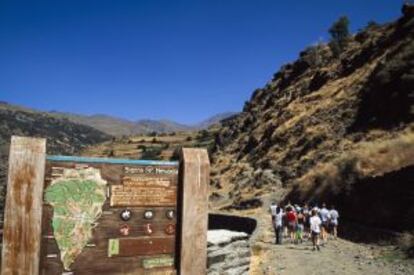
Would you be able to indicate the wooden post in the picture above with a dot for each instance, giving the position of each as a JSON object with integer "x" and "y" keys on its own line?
{"x": 195, "y": 170}
{"x": 22, "y": 217}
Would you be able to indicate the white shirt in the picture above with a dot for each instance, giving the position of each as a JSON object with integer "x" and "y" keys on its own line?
{"x": 279, "y": 219}
{"x": 315, "y": 223}
{"x": 334, "y": 215}
{"x": 324, "y": 214}
{"x": 273, "y": 209}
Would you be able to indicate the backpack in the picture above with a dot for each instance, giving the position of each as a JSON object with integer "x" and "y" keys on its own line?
{"x": 291, "y": 216}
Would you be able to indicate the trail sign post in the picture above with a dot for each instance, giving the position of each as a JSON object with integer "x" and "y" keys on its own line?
{"x": 80, "y": 215}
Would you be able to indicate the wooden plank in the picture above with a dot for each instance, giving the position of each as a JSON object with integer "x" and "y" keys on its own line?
{"x": 145, "y": 246}
{"x": 194, "y": 211}
{"x": 22, "y": 218}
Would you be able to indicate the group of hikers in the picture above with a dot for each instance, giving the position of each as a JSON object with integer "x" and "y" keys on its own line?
{"x": 299, "y": 223}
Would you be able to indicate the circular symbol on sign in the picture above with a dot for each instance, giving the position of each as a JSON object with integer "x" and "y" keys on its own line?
{"x": 126, "y": 215}
{"x": 124, "y": 230}
{"x": 148, "y": 229}
{"x": 148, "y": 214}
{"x": 170, "y": 229}
{"x": 170, "y": 214}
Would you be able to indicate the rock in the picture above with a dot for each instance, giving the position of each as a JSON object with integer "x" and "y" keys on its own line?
{"x": 228, "y": 252}
{"x": 223, "y": 237}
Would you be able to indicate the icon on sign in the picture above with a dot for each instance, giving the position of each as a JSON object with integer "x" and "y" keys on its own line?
{"x": 170, "y": 229}
{"x": 170, "y": 214}
{"x": 124, "y": 230}
{"x": 126, "y": 215}
{"x": 148, "y": 229}
{"x": 148, "y": 214}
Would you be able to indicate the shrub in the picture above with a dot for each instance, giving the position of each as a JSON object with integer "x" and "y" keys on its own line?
{"x": 372, "y": 24}
{"x": 152, "y": 153}
{"x": 339, "y": 35}
{"x": 312, "y": 55}
{"x": 203, "y": 134}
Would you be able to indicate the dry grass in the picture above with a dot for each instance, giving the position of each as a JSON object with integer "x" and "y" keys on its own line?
{"x": 365, "y": 159}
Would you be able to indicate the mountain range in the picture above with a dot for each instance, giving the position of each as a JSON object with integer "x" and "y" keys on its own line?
{"x": 115, "y": 126}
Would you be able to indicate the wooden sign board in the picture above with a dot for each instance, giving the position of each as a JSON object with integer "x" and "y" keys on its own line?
{"x": 104, "y": 216}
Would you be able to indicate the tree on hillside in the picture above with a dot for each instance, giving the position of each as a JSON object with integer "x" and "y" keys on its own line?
{"x": 339, "y": 32}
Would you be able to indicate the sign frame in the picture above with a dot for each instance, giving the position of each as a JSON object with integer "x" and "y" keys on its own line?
{"x": 24, "y": 202}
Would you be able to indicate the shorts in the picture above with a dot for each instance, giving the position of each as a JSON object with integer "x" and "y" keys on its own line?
{"x": 332, "y": 225}
{"x": 325, "y": 225}
{"x": 292, "y": 226}
{"x": 314, "y": 234}
{"x": 299, "y": 228}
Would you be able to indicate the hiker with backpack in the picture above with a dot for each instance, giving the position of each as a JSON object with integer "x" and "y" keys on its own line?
{"x": 300, "y": 226}
{"x": 315, "y": 226}
{"x": 333, "y": 221}
{"x": 325, "y": 216}
{"x": 291, "y": 223}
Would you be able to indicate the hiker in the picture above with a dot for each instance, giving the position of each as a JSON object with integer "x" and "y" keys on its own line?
{"x": 278, "y": 224}
{"x": 324, "y": 215}
{"x": 315, "y": 226}
{"x": 272, "y": 209}
{"x": 333, "y": 221}
{"x": 300, "y": 226}
{"x": 306, "y": 213}
{"x": 291, "y": 220}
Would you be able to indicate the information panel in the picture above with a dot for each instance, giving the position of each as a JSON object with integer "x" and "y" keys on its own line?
{"x": 68, "y": 215}
{"x": 109, "y": 217}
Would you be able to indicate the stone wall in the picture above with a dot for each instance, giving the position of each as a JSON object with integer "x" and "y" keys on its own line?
{"x": 228, "y": 252}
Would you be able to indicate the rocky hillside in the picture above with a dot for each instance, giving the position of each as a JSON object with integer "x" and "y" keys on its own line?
{"x": 330, "y": 128}
{"x": 63, "y": 136}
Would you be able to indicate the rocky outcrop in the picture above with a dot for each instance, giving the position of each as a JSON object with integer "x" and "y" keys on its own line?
{"x": 228, "y": 252}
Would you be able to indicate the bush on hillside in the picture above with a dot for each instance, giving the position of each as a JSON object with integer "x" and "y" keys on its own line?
{"x": 152, "y": 153}
{"x": 312, "y": 55}
{"x": 339, "y": 32}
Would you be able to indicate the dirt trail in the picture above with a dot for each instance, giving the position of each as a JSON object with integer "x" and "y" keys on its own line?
{"x": 336, "y": 256}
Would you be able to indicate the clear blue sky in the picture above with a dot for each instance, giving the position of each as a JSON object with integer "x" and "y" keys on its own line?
{"x": 181, "y": 60}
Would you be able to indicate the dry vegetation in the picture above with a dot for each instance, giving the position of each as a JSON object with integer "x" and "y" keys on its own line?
{"x": 164, "y": 146}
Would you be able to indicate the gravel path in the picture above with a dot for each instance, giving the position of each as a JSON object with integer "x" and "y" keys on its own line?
{"x": 336, "y": 256}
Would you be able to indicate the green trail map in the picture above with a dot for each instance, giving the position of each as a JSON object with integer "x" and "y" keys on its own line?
{"x": 77, "y": 198}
